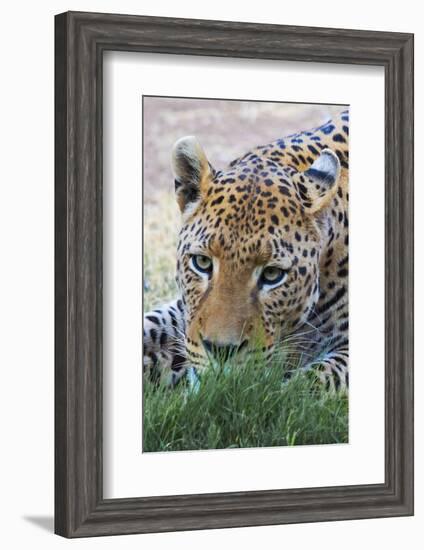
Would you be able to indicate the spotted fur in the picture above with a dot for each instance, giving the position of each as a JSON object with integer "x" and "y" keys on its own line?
{"x": 285, "y": 205}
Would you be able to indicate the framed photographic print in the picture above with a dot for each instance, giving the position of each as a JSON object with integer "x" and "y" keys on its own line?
{"x": 234, "y": 274}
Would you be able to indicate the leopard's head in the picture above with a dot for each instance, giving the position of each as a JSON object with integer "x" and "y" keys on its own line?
{"x": 249, "y": 248}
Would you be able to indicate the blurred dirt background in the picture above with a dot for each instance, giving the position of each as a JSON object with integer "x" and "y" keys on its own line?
{"x": 226, "y": 130}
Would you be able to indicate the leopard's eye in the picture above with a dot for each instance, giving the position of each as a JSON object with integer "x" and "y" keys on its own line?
{"x": 272, "y": 275}
{"x": 202, "y": 264}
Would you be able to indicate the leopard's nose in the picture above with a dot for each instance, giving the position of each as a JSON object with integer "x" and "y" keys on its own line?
{"x": 222, "y": 352}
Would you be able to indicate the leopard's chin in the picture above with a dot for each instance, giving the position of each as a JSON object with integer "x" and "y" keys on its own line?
{"x": 239, "y": 359}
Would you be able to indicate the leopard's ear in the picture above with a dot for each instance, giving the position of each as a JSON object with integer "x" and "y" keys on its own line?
{"x": 321, "y": 181}
{"x": 191, "y": 169}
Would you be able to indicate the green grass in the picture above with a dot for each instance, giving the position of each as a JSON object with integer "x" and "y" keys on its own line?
{"x": 239, "y": 407}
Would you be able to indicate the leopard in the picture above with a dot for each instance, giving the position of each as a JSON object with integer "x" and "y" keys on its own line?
{"x": 262, "y": 258}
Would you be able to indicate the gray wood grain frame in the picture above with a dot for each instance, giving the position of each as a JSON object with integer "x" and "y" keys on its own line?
{"x": 80, "y": 40}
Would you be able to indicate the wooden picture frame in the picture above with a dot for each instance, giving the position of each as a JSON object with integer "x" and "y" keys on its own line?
{"x": 80, "y": 40}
